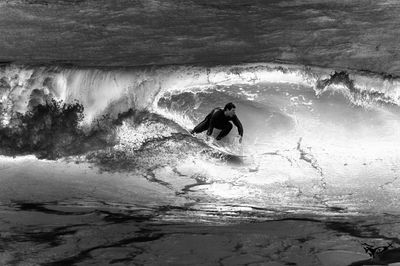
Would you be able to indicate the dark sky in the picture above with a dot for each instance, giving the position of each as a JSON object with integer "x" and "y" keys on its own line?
{"x": 330, "y": 33}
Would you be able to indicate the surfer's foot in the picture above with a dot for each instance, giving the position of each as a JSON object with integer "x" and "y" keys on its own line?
{"x": 192, "y": 132}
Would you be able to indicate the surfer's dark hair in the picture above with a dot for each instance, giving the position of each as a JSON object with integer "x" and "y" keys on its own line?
{"x": 229, "y": 106}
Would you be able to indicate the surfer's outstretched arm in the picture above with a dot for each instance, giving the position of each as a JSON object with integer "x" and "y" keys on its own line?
{"x": 211, "y": 125}
{"x": 239, "y": 126}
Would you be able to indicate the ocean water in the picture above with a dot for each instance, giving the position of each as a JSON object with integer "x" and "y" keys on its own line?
{"x": 97, "y": 165}
{"x": 334, "y": 34}
{"x": 316, "y": 142}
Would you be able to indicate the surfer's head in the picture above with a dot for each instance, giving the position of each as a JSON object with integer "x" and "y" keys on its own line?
{"x": 229, "y": 109}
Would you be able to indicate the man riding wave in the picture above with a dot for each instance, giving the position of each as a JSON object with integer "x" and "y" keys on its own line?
{"x": 220, "y": 119}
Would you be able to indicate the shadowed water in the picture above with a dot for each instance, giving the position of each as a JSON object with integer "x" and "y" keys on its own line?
{"x": 343, "y": 34}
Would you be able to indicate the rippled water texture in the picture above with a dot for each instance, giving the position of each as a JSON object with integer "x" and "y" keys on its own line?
{"x": 97, "y": 165}
{"x": 346, "y": 34}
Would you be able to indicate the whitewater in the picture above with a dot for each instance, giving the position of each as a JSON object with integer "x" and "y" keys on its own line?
{"x": 97, "y": 165}
{"x": 85, "y": 150}
{"x": 316, "y": 141}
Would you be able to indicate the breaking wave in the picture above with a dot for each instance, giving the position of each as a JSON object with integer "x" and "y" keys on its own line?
{"x": 40, "y": 105}
{"x": 305, "y": 129}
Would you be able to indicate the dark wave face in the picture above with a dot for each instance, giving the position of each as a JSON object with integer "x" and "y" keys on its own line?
{"x": 158, "y": 32}
{"x": 310, "y": 135}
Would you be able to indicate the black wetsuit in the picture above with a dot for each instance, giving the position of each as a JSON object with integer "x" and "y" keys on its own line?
{"x": 217, "y": 119}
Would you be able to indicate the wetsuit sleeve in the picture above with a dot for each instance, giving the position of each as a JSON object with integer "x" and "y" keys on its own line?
{"x": 212, "y": 122}
{"x": 239, "y": 126}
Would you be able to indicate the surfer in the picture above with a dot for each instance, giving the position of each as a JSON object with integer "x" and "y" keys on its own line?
{"x": 220, "y": 118}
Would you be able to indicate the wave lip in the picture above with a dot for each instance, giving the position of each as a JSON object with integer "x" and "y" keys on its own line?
{"x": 106, "y": 94}
{"x": 114, "y": 91}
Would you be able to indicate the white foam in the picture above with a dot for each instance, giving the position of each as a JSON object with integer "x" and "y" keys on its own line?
{"x": 118, "y": 90}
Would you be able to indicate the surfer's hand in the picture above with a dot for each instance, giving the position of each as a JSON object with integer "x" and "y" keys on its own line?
{"x": 240, "y": 139}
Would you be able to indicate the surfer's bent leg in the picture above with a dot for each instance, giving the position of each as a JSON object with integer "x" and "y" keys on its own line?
{"x": 203, "y": 126}
{"x": 225, "y": 131}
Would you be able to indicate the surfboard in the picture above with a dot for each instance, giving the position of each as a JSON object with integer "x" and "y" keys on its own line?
{"x": 219, "y": 151}
{"x": 223, "y": 149}
{"x": 224, "y": 154}
{"x": 220, "y": 146}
